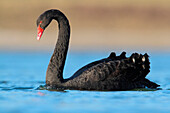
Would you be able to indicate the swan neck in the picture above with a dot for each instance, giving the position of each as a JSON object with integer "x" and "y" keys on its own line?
{"x": 55, "y": 69}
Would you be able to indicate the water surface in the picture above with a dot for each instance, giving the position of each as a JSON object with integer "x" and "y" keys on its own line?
{"x": 21, "y": 73}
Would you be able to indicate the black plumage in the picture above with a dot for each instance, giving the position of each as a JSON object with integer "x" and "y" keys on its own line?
{"x": 111, "y": 73}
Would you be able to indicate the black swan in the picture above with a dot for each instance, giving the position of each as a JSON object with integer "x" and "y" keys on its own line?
{"x": 111, "y": 73}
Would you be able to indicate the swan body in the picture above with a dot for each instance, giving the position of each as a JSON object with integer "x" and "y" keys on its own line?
{"x": 111, "y": 73}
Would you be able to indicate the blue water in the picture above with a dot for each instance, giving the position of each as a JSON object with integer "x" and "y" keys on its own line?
{"x": 22, "y": 72}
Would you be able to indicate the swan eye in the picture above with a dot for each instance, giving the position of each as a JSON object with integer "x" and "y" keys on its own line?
{"x": 40, "y": 22}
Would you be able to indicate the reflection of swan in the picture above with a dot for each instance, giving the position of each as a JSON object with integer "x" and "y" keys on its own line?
{"x": 112, "y": 73}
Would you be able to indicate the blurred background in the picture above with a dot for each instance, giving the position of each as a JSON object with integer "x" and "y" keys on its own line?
{"x": 99, "y": 25}
{"x": 97, "y": 28}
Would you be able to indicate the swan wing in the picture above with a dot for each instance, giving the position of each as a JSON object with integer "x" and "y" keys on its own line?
{"x": 126, "y": 69}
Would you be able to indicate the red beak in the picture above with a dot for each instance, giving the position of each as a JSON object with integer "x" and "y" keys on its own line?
{"x": 40, "y": 32}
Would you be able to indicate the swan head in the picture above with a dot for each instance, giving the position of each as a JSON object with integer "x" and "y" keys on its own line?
{"x": 42, "y": 22}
